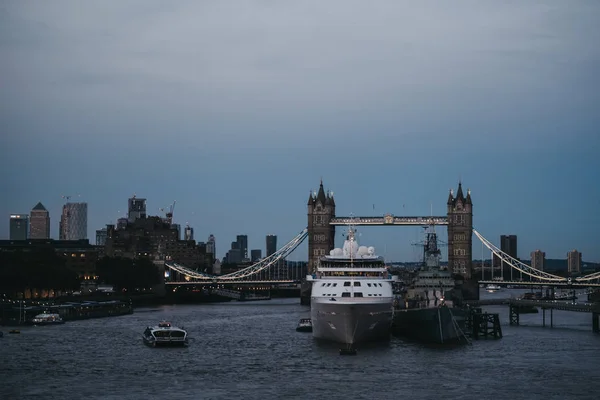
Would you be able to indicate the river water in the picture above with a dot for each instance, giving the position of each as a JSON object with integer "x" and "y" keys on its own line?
{"x": 251, "y": 351}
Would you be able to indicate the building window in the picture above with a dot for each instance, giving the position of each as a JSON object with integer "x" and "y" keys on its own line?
{"x": 459, "y": 219}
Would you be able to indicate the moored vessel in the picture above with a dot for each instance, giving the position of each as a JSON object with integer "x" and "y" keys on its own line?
{"x": 165, "y": 335}
{"x": 304, "y": 325}
{"x": 47, "y": 319}
{"x": 427, "y": 313}
{"x": 492, "y": 287}
{"x": 351, "y": 298}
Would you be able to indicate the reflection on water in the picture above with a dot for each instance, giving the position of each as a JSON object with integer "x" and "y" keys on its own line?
{"x": 252, "y": 351}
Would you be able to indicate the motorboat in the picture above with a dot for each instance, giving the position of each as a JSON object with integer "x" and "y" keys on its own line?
{"x": 492, "y": 287}
{"x": 165, "y": 335}
{"x": 305, "y": 325}
{"x": 47, "y": 319}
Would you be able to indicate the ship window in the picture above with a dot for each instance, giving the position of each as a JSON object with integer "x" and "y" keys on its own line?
{"x": 346, "y": 294}
{"x": 329, "y": 284}
{"x": 346, "y": 283}
{"x": 358, "y": 294}
{"x": 368, "y": 284}
{"x": 370, "y": 294}
{"x": 356, "y": 283}
{"x": 322, "y": 284}
{"x": 335, "y": 284}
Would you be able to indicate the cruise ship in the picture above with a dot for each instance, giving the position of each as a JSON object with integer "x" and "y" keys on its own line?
{"x": 351, "y": 299}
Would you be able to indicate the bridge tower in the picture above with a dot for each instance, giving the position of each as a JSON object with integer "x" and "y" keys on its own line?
{"x": 460, "y": 232}
{"x": 321, "y": 235}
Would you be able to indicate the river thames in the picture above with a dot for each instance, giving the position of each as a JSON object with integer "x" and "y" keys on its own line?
{"x": 250, "y": 350}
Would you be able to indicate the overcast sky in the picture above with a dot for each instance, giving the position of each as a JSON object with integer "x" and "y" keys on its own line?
{"x": 236, "y": 110}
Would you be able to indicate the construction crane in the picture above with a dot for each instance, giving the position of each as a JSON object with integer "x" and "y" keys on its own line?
{"x": 170, "y": 213}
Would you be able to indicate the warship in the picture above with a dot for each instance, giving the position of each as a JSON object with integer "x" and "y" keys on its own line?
{"x": 426, "y": 311}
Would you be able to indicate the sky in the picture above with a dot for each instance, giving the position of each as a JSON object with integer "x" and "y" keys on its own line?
{"x": 237, "y": 109}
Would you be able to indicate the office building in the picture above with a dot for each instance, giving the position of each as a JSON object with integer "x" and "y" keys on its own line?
{"x": 73, "y": 222}
{"x": 211, "y": 246}
{"x": 242, "y": 245}
{"x": 538, "y": 259}
{"x": 574, "y": 262}
{"x": 255, "y": 255}
{"x": 39, "y": 222}
{"x": 101, "y": 237}
{"x": 271, "y": 244}
{"x": 19, "y": 227}
{"x": 136, "y": 209}
{"x": 188, "y": 233}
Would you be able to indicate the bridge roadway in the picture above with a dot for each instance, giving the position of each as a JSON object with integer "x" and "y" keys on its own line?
{"x": 389, "y": 220}
{"x": 546, "y": 283}
{"x": 210, "y": 282}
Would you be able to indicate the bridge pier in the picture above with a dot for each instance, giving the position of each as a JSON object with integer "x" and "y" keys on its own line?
{"x": 596, "y": 322}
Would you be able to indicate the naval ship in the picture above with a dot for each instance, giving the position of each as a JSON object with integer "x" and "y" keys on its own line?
{"x": 426, "y": 312}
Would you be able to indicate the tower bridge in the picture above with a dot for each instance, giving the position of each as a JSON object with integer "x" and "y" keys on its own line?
{"x": 274, "y": 269}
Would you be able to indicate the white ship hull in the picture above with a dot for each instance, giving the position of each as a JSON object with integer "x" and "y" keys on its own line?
{"x": 351, "y": 322}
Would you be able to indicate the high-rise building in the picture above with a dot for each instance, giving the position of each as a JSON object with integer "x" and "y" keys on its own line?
{"x": 255, "y": 255}
{"x": 574, "y": 262}
{"x": 242, "y": 241}
{"x": 136, "y": 209}
{"x": 538, "y": 259}
{"x": 39, "y": 222}
{"x": 19, "y": 226}
{"x": 508, "y": 245}
{"x": 73, "y": 221}
{"x": 101, "y": 235}
{"x": 271, "y": 244}
{"x": 188, "y": 233}
{"x": 211, "y": 246}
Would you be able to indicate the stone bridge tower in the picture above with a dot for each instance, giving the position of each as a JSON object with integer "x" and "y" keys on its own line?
{"x": 460, "y": 233}
{"x": 321, "y": 235}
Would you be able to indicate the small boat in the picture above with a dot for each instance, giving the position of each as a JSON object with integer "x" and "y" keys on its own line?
{"x": 348, "y": 351}
{"x": 165, "y": 335}
{"x": 305, "y": 325}
{"x": 14, "y": 331}
{"x": 492, "y": 287}
{"x": 47, "y": 319}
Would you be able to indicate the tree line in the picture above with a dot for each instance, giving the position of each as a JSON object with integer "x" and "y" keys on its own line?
{"x": 43, "y": 269}
{"x": 39, "y": 268}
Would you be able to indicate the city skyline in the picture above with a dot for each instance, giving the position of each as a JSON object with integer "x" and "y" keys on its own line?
{"x": 237, "y": 112}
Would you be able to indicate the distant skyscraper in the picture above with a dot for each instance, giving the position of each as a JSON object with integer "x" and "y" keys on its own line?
{"x": 538, "y": 259}
{"x": 574, "y": 262}
{"x": 255, "y": 255}
{"x": 39, "y": 222}
{"x": 19, "y": 226}
{"x": 271, "y": 244}
{"x": 508, "y": 245}
{"x": 136, "y": 209}
{"x": 211, "y": 246}
{"x": 73, "y": 221}
{"x": 242, "y": 241}
{"x": 188, "y": 233}
{"x": 101, "y": 235}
